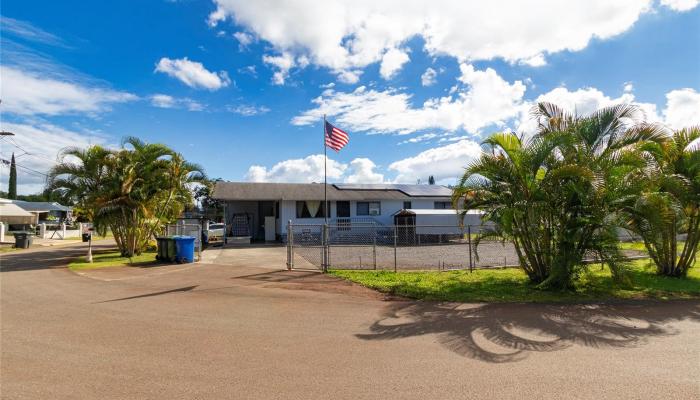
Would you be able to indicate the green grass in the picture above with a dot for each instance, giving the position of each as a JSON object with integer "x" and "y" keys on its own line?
{"x": 512, "y": 285}
{"x": 113, "y": 259}
{"x": 639, "y": 246}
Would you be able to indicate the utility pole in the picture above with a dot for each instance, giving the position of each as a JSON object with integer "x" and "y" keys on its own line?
{"x": 12, "y": 184}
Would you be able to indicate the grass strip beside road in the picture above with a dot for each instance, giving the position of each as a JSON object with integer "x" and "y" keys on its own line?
{"x": 512, "y": 285}
{"x": 113, "y": 259}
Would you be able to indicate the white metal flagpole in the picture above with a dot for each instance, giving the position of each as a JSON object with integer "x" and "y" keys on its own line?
{"x": 325, "y": 175}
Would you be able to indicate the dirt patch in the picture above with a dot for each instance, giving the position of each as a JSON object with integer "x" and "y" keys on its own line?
{"x": 314, "y": 281}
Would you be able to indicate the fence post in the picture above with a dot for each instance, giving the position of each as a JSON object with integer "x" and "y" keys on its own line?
{"x": 328, "y": 246}
{"x": 395, "y": 237}
{"x": 324, "y": 245}
{"x": 374, "y": 246}
{"x": 469, "y": 235}
{"x": 290, "y": 245}
{"x": 201, "y": 243}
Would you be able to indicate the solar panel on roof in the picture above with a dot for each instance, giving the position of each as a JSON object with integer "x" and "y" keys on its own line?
{"x": 411, "y": 190}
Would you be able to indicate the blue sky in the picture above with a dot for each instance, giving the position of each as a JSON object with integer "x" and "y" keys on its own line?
{"x": 240, "y": 87}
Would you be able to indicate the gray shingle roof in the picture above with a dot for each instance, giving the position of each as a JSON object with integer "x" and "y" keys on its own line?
{"x": 314, "y": 191}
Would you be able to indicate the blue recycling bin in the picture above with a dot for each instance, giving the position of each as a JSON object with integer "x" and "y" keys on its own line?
{"x": 184, "y": 249}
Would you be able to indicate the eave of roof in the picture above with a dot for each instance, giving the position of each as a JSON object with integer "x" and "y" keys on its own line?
{"x": 256, "y": 191}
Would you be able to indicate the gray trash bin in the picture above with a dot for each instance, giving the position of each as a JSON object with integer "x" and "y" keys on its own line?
{"x": 23, "y": 240}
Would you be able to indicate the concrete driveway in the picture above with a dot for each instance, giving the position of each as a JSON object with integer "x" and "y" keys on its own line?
{"x": 247, "y": 330}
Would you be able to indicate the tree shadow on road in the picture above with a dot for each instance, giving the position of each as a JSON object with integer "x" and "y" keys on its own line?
{"x": 38, "y": 258}
{"x": 500, "y": 333}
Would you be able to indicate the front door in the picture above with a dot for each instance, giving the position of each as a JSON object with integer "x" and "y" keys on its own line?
{"x": 265, "y": 209}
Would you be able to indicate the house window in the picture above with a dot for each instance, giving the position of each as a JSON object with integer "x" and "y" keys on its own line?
{"x": 305, "y": 209}
{"x": 442, "y": 205}
{"x": 406, "y": 205}
{"x": 369, "y": 208}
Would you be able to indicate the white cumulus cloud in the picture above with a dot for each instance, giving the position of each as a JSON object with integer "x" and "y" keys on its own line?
{"x": 283, "y": 64}
{"x": 486, "y": 99}
{"x": 444, "y": 163}
{"x": 682, "y": 108}
{"x": 392, "y": 61}
{"x": 308, "y": 169}
{"x": 244, "y": 39}
{"x": 193, "y": 74}
{"x": 583, "y": 101}
{"x": 680, "y": 5}
{"x": 343, "y": 35}
{"x": 362, "y": 170}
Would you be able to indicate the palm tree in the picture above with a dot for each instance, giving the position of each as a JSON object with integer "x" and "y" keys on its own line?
{"x": 553, "y": 195}
{"x": 133, "y": 191}
{"x": 79, "y": 176}
{"x": 672, "y": 205}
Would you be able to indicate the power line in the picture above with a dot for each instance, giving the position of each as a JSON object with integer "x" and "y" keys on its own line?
{"x": 11, "y": 141}
{"x": 8, "y": 162}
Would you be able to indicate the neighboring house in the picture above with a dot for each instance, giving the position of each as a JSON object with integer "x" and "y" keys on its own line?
{"x": 45, "y": 211}
{"x": 263, "y": 210}
{"x": 12, "y": 214}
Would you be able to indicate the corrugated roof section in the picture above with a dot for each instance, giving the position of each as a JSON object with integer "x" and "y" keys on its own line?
{"x": 39, "y": 206}
{"x": 252, "y": 191}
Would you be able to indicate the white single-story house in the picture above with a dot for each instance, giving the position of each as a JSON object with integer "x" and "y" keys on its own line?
{"x": 263, "y": 210}
{"x": 45, "y": 211}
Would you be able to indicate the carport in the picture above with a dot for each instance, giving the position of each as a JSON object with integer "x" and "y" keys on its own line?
{"x": 12, "y": 214}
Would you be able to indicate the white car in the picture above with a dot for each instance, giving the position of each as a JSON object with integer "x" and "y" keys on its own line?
{"x": 215, "y": 234}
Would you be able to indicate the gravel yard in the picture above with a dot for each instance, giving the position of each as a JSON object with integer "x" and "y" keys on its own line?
{"x": 425, "y": 257}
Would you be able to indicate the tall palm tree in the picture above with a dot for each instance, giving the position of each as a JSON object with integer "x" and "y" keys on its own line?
{"x": 79, "y": 176}
{"x": 133, "y": 190}
{"x": 553, "y": 195}
{"x": 672, "y": 205}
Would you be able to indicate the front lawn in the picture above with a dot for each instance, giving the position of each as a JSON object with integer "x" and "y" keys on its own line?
{"x": 113, "y": 259}
{"x": 511, "y": 285}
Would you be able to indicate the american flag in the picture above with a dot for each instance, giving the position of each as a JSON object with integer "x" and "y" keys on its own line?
{"x": 336, "y": 139}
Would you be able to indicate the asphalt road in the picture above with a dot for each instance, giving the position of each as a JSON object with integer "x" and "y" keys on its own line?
{"x": 248, "y": 331}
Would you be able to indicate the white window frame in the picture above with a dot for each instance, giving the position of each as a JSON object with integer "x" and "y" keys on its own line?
{"x": 374, "y": 208}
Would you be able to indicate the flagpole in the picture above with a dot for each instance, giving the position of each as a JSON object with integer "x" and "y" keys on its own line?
{"x": 325, "y": 174}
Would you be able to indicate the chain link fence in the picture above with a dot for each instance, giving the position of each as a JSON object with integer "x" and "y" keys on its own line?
{"x": 393, "y": 247}
{"x": 194, "y": 230}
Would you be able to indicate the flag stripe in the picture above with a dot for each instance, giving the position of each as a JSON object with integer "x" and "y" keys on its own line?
{"x": 336, "y": 138}
{"x": 339, "y": 141}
